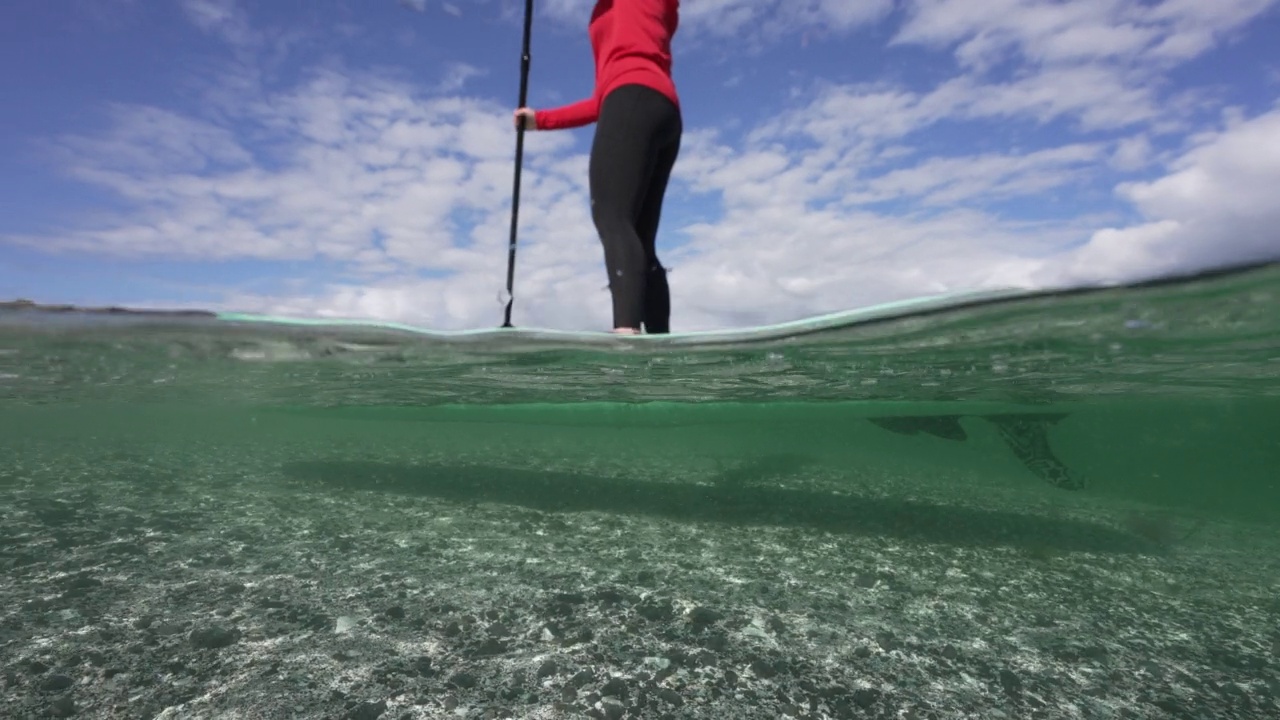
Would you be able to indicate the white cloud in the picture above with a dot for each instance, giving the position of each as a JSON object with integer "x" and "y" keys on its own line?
{"x": 1097, "y": 97}
{"x": 748, "y": 21}
{"x": 862, "y": 116}
{"x": 223, "y": 18}
{"x": 835, "y": 203}
{"x": 763, "y": 265}
{"x": 1054, "y": 32}
{"x": 355, "y": 169}
{"x": 374, "y": 177}
{"x": 149, "y": 139}
{"x": 1132, "y": 153}
{"x": 1216, "y": 206}
{"x": 947, "y": 181}
{"x": 346, "y": 158}
{"x": 421, "y": 6}
{"x": 1100, "y": 61}
{"x": 457, "y": 75}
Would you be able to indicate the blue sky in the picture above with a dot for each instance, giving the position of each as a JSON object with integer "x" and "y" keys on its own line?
{"x": 354, "y": 159}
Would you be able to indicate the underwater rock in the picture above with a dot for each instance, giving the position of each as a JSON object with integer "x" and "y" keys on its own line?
{"x": 56, "y": 683}
{"x": 656, "y": 610}
{"x": 491, "y": 646}
{"x": 214, "y": 637}
{"x": 368, "y": 710}
{"x": 63, "y": 707}
{"x": 615, "y": 687}
{"x": 580, "y": 679}
{"x": 1010, "y": 681}
{"x": 705, "y": 616}
{"x": 671, "y": 697}
{"x": 166, "y": 629}
{"x": 866, "y": 697}
{"x": 463, "y": 680}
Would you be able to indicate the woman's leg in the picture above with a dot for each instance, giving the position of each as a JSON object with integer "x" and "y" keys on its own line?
{"x": 657, "y": 294}
{"x": 634, "y": 129}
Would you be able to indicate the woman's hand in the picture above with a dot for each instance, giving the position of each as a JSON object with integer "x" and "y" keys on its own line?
{"x": 526, "y": 115}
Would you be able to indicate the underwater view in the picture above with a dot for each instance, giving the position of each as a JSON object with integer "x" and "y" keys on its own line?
{"x": 1063, "y": 505}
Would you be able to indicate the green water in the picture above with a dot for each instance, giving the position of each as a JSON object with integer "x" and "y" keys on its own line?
{"x": 1054, "y": 506}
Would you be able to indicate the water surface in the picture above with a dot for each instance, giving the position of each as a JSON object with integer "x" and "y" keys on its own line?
{"x": 1051, "y": 506}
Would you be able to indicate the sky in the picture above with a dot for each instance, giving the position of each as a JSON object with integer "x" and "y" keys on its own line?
{"x": 355, "y": 159}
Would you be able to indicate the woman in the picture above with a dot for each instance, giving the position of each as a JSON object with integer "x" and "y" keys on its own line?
{"x": 638, "y": 129}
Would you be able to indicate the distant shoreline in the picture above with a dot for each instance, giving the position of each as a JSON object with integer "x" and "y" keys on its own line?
{"x": 22, "y": 304}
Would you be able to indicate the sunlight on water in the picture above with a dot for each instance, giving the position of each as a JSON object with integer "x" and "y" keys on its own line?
{"x": 1049, "y": 507}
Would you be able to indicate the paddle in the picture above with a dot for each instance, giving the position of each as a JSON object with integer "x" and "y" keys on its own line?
{"x": 515, "y": 192}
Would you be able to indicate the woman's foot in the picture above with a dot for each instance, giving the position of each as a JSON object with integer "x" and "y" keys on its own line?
{"x": 626, "y": 331}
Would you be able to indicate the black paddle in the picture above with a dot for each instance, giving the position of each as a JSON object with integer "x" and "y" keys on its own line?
{"x": 515, "y": 192}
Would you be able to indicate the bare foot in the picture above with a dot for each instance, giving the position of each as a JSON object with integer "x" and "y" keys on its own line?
{"x": 625, "y": 331}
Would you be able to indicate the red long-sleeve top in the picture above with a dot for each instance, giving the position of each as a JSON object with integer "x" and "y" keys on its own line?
{"x": 631, "y": 40}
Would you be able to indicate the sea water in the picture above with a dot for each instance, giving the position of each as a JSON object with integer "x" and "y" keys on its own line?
{"x": 1051, "y": 506}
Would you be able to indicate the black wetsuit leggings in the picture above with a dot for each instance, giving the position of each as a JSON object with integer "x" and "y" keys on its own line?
{"x": 636, "y": 144}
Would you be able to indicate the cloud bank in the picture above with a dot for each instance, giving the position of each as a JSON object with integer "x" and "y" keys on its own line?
{"x": 837, "y": 200}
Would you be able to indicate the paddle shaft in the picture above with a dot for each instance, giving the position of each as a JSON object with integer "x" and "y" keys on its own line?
{"x": 515, "y": 191}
